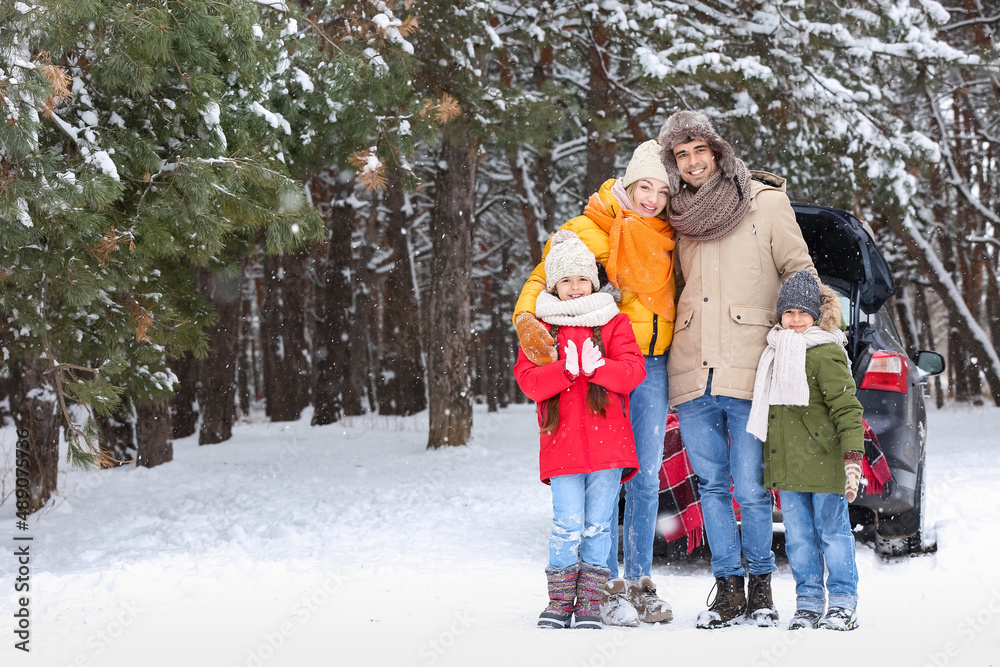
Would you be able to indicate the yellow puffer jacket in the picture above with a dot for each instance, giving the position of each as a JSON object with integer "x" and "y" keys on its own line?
{"x": 653, "y": 332}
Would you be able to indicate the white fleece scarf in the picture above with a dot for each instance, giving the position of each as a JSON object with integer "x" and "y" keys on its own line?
{"x": 781, "y": 373}
{"x": 593, "y": 310}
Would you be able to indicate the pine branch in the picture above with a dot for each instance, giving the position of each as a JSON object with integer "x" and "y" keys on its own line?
{"x": 84, "y": 448}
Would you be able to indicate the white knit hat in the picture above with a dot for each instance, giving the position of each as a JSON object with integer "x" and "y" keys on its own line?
{"x": 569, "y": 256}
{"x": 645, "y": 163}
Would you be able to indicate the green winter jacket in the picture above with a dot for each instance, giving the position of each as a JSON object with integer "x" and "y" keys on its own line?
{"x": 806, "y": 444}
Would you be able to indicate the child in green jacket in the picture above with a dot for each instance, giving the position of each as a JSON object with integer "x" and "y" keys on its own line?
{"x": 806, "y": 412}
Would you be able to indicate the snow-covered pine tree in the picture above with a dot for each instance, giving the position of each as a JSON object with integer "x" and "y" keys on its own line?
{"x": 343, "y": 97}
{"x": 139, "y": 143}
{"x": 859, "y": 104}
{"x": 462, "y": 106}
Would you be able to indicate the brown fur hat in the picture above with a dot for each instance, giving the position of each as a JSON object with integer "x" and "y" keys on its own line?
{"x": 831, "y": 318}
{"x": 685, "y": 126}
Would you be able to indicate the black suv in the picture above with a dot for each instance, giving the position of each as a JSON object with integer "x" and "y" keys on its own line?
{"x": 890, "y": 384}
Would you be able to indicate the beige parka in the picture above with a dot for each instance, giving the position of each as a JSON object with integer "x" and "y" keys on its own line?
{"x": 730, "y": 288}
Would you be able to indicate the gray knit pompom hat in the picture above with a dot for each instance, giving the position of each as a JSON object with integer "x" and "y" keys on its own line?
{"x": 569, "y": 256}
{"x": 685, "y": 126}
{"x": 800, "y": 292}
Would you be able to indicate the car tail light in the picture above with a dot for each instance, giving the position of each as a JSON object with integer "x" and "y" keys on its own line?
{"x": 886, "y": 372}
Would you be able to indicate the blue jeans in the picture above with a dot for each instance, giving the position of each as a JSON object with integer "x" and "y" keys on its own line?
{"x": 707, "y": 425}
{"x": 818, "y": 532}
{"x": 648, "y": 414}
{"x": 581, "y": 505}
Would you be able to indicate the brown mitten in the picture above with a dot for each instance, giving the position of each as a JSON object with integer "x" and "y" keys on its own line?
{"x": 536, "y": 342}
{"x": 852, "y": 466}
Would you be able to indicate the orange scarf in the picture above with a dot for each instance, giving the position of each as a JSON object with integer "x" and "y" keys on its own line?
{"x": 642, "y": 251}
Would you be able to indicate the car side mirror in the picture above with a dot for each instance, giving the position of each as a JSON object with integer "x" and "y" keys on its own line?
{"x": 929, "y": 362}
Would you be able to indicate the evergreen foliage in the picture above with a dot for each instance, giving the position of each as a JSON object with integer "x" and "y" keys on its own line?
{"x": 138, "y": 142}
{"x": 142, "y": 139}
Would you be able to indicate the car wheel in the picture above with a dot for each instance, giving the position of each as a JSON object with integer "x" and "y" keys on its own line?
{"x": 902, "y": 534}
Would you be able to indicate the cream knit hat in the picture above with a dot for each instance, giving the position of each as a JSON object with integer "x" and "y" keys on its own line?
{"x": 645, "y": 163}
{"x": 569, "y": 256}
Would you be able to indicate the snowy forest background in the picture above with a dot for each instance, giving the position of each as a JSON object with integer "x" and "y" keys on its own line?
{"x": 211, "y": 205}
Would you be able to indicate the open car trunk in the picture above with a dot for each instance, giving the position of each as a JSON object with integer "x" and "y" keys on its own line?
{"x": 844, "y": 253}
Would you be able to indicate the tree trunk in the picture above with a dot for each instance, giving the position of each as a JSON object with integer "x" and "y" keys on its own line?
{"x": 245, "y": 385}
{"x": 493, "y": 368}
{"x": 520, "y": 175}
{"x": 184, "y": 415}
{"x": 286, "y": 371}
{"x": 451, "y": 277}
{"x": 153, "y": 431}
{"x": 360, "y": 393}
{"x": 217, "y": 371}
{"x": 602, "y": 106}
{"x": 117, "y": 437}
{"x": 926, "y": 337}
{"x": 401, "y": 378}
{"x": 37, "y": 420}
{"x": 974, "y": 339}
{"x": 333, "y": 326}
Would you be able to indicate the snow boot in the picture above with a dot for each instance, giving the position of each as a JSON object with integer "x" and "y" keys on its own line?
{"x": 562, "y": 596}
{"x": 616, "y": 609}
{"x": 838, "y": 618}
{"x": 589, "y": 585}
{"x": 804, "y": 619}
{"x": 651, "y": 609}
{"x": 728, "y": 607}
{"x": 760, "y": 606}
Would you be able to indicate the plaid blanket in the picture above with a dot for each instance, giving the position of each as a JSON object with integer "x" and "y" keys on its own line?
{"x": 680, "y": 505}
{"x": 874, "y": 468}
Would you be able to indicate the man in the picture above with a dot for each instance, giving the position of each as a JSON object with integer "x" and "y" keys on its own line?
{"x": 738, "y": 242}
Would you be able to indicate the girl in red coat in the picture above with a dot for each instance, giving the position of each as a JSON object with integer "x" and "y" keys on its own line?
{"x": 587, "y": 448}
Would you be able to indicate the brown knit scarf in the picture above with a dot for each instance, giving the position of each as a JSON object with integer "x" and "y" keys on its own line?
{"x": 713, "y": 210}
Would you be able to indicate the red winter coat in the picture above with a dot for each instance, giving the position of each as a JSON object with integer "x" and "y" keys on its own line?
{"x": 584, "y": 441}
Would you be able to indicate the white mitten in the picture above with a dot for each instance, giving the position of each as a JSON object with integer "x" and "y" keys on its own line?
{"x": 853, "y": 471}
{"x": 590, "y": 358}
{"x": 572, "y": 359}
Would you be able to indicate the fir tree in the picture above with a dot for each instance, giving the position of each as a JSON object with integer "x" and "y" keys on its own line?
{"x": 139, "y": 142}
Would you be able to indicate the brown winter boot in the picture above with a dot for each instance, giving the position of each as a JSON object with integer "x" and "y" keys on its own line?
{"x": 589, "y": 587}
{"x": 729, "y": 605}
{"x": 616, "y": 608}
{"x": 760, "y": 606}
{"x": 652, "y": 609}
{"x": 562, "y": 596}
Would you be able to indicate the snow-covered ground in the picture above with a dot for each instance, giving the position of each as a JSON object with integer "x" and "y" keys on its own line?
{"x": 351, "y": 544}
